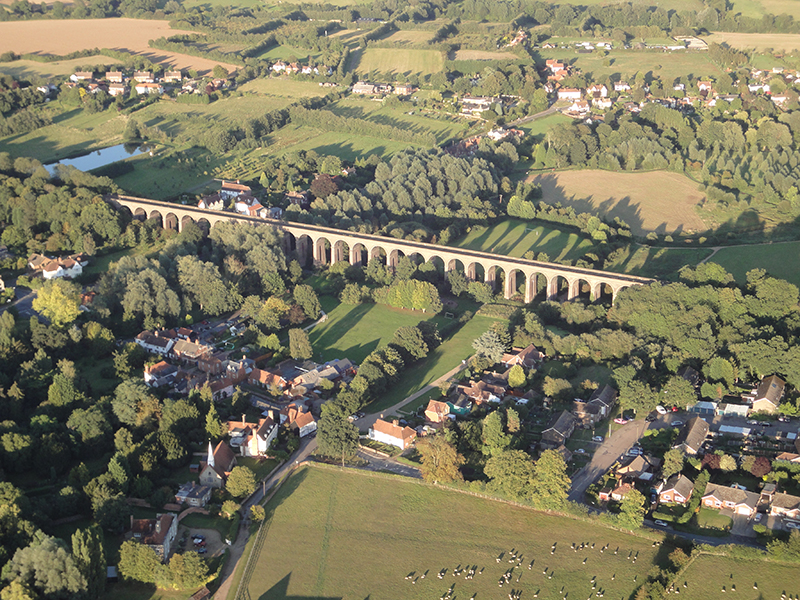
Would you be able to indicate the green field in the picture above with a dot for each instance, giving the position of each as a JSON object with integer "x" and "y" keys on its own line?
{"x": 779, "y": 260}
{"x": 656, "y": 262}
{"x": 358, "y": 536}
{"x": 284, "y": 87}
{"x": 708, "y": 574}
{"x": 514, "y": 237}
{"x": 388, "y": 60}
{"x": 539, "y": 127}
{"x": 34, "y": 70}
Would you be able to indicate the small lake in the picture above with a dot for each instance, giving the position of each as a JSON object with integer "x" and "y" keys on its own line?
{"x": 99, "y": 158}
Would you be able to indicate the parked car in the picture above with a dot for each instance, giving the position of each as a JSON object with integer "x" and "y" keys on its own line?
{"x": 752, "y": 422}
{"x": 597, "y": 438}
{"x": 580, "y": 451}
{"x": 198, "y": 536}
{"x": 784, "y": 419}
{"x": 676, "y": 424}
{"x": 661, "y": 523}
{"x": 353, "y": 417}
{"x": 651, "y": 417}
{"x": 661, "y": 410}
{"x": 202, "y": 550}
{"x": 764, "y": 424}
{"x": 620, "y": 420}
{"x": 757, "y": 518}
{"x": 792, "y": 524}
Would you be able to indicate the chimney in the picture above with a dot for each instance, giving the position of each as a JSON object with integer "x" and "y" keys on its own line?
{"x": 242, "y": 418}
{"x": 158, "y": 523}
{"x": 396, "y": 423}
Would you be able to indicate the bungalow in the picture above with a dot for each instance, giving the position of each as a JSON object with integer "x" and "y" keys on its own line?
{"x": 253, "y": 439}
{"x": 677, "y": 490}
{"x": 149, "y": 88}
{"x": 598, "y": 91}
{"x": 438, "y": 412}
{"x": 527, "y": 357}
{"x": 158, "y": 533}
{"x": 785, "y": 505}
{"x": 692, "y": 436}
{"x": 193, "y": 494}
{"x": 561, "y": 427}
{"x": 154, "y": 343}
{"x": 569, "y": 94}
{"x": 215, "y": 469}
{"x": 159, "y": 374}
{"x": 114, "y": 76}
{"x": 768, "y": 395}
{"x": 392, "y": 434}
{"x": 739, "y": 501}
{"x": 363, "y": 87}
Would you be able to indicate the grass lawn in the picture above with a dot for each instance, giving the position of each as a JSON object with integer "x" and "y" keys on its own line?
{"x": 357, "y": 536}
{"x": 712, "y": 519}
{"x": 140, "y": 591}
{"x": 708, "y": 574}
{"x": 261, "y": 468}
{"x": 353, "y": 331}
{"x": 409, "y": 36}
{"x": 628, "y": 196}
{"x": 758, "y": 8}
{"x": 388, "y": 60}
{"x": 656, "y": 262}
{"x": 344, "y": 145}
{"x": 778, "y": 259}
{"x": 539, "y": 127}
{"x": 92, "y": 369}
{"x": 199, "y": 521}
{"x": 447, "y": 356}
{"x": 514, "y": 237}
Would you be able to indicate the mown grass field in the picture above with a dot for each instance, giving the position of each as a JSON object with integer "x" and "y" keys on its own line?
{"x": 514, "y": 237}
{"x": 31, "y": 69}
{"x": 540, "y": 126}
{"x": 409, "y": 36}
{"x": 656, "y": 262}
{"x": 484, "y": 55}
{"x": 358, "y": 536}
{"x": 758, "y": 8}
{"x": 757, "y": 41}
{"x": 779, "y": 260}
{"x": 655, "y": 201}
{"x": 708, "y": 574}
{"x": 284, "y": 87}
{"x": 388, "y": 60}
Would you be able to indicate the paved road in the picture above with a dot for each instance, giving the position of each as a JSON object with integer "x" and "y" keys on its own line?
{"x": 378, "y": 463}
{"x": 24, "y": 302}
{"x": 609, "y": 451}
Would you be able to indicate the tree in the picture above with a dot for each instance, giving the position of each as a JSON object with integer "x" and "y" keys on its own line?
{"x": 299, "y": 344}
{"x": 229, "y": 508}
{"x": 550, "y": 482}
{"x": 89, "y": 556}
{"x": 47, "y": 569}
{"x": 727, "y": 463}
{"x": 440, "y": 460}
{"x": 495, "y": 440}
{"x": 308, "y": 300}
{"x": 257, "y": 513}
{"x": 214, "y": 427}
{"x": 410, "y": 339}
{"x": 458, "y": 282}
{"x": 679, "y": 392}
{"x": 241, "y": 482}
{"x": 489, "y": 346}
{"x": 673, "y": 463}
{"x": 516, "y": 377}
{"x": 186, "y": 571}
{"x": 139, "y": 562}
{"x": 631, "y": 513}
{"x": 59, "y": 301}
{"x": 219, "y": 72}
{"x": 511, "y": 473}
{"x": 337, "y": 437}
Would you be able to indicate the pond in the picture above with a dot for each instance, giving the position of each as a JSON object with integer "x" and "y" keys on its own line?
{"x": 99, "y": 158}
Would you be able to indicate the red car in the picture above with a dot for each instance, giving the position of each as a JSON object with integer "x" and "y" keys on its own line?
{"x": 201, "y": 544}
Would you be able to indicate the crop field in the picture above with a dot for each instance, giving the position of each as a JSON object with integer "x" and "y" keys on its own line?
{"x": 626, "y": 63}
{"x": 284, "y": 87}
{"x": 646, "y": 261}
{"x": 779, "y": 259}
{"x": 484, "y": 55}
{"x": 34, "y": 70}
{"x": 758, "y": 8}
{"x": 708, "y": 574}
{"x": 656, "y": 201}
{"x": 409, "y": 36}
{"x": 387, "y": 60}
{"x": 358, "y": 536}
{"x": 514, "y": 237}
{"x": 757, "y": 41}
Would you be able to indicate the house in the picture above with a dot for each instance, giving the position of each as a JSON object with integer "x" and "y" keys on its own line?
{"x": 561, "y": 427}
{"x": 117, "y": 89}
{"x": 569, "y": 94}
{"x": 679, "y": 87}
{"x": 159, "y": 374}
{"x": 768, "y": 395}
{"x": 114, "y": 76}
{"x": 230, "y": 190}
{"x": 211, "y": 202}
{"x": 604, "y": 495}
{"x": 267, "y": 379}
{"x": 785, "y": 505}
{"x": 677, "y": 490}
{"x": 143, "y": 77}
{"x": 780, "y": 99}
{"x": 404, "y": 89}
{"x": 692, "y": 436}
{"x": 475, "y": 105}
{"x": 759, "y": 87}
{"x": 173, "y": 76}
{"x": 483, "y": 391}
{"x": 363, "y": 87}
{"x": 619, "y": 492}
{"x": 149, "y": 88}
{"x": 689, "y": 374}
{"x": 154, "y": 343}
{"x": 638, "y": 467}
{"x": 190, "y": 351}
{"x": 622, "y": 86}
{"x": 392, "y": 434}
{"x": 279, "y": 66}
{"x": 705, "y": 87}
{"x": 304, "y": 424}
{"x": 253, "y": 439}
{"x": 461, "y": 406}
{"x": 81, "y": 76}
{"x": 193, "y": 494}
{"x": 215, "y": 469}
{"x": 602, "y": 103}
{"x": 438, "y": 412}
{"x": 598, "y": 90}
{"x": 597, "y": 407}
{"x": 554, "y": 66}
{"x": 581, "y": 107}
{"x": 789, "y": 457}
{"x": 158, "y": 533}
{"x": 739, "y": 501}
{"x": 51, "y": 268}
{"x": 301, "y": 199}
{"x": 527, "y": 357}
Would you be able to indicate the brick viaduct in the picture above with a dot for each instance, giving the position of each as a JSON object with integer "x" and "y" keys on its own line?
{"x": 330, "y": 245}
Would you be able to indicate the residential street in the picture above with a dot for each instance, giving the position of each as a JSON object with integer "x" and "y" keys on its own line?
{"x": 378, "y": 463}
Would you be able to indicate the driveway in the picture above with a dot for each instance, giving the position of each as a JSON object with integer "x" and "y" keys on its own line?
{"x": 23, "y": 302}
{"x": 214, "y": 544}
{"x": 378, "y": 463}
{"x": 606, "y": 455}
{"x": 742, "y": 526}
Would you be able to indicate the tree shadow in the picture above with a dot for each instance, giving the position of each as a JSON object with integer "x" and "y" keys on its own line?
{"x": 280, "y": 591}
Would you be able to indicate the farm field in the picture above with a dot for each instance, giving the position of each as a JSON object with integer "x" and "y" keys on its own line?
{"x": 31, "y": 69}
{"x": 409, "y": 36}
{"x": 756, "y": 41}
{"x": 387, "y": 60}
{"x": 646, "y": 261}
{"x": 359, "y": 536}
{"x": 708, "y": 574}
{"x": 656, "y": 201}
{"x": 779, "y": 260}
{"x": 484, "y": 55}
{"x": 284, "y": 87}
{"x": 514, "y": 237}
{"x": 758, "y": 8}
{"x": 287, "y": 53}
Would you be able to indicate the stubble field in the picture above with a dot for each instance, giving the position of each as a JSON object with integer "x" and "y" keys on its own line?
{"x": 756, "y": 41}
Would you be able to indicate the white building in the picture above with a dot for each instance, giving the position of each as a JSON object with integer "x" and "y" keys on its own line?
{"x": 392, "y": 434}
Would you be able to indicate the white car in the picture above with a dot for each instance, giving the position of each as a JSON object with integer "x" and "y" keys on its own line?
{"x": 597, "y": 438}
{"x": 676, "y": 424}
{"x": 661, "y": 523}
{"x": 580, "y": 451}
{"x": 661, "y": 410}
{"x": 757, "y": 518}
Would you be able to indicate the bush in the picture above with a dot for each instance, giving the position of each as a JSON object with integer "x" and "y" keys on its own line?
{"x": 233, "y": 530}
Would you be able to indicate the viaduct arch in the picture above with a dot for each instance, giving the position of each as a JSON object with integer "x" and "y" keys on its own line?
{"x": 326, "y": 245}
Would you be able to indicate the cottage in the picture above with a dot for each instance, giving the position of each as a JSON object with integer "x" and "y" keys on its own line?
{"x": 154, "y": 343}
{"x": 363, "y": 87}
{"x": 253, "y": 439}
{"x": 569, "y": 94}
{"x": 159, "y": 374}
{"x": 305, "y": 424}
{"x": 739, "y": 501}
{"x": 527, "y": 357}
{"x": 677, "y": 490}
{"x": 438, "y": 412}
{"x": 392, "y": 434}
{"x": 215, "y": 469}
{"x": 561, "y": 427}
{"x": 158, "y": 533}
{"x": 114, "y": 77}
{"x": 785, "y": 505}
{"x": 267, "y": 379}
{"x": 193, "y": 494}
{"x": 768, "y": 395}
{"x": 692, "y": 436}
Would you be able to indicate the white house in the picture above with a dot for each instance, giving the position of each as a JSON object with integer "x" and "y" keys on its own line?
{"x": 153, "y": 343}
{"x": 569, "y": 94}
{"x": 305, "y": 423}
{"x": 253, "y": 439}
{"x": 622, "y": 86}
{"x": 598, "y": 90}
{"x": 159, "y": 374}
{"x": 392, "y": 434}
{"x": 149, "y": 88}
